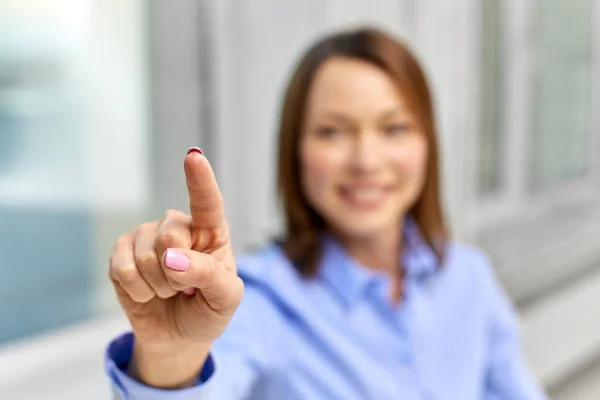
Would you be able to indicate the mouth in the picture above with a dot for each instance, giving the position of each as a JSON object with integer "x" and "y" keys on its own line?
{"x": 365, "y": 197}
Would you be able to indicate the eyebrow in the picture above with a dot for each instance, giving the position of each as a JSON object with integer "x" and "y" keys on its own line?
{"x": 336, "y": 115}
{"x": 402, "y": 110}
{"x": 387, "y": 114}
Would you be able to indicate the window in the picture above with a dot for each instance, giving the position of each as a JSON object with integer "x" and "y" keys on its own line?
{"x": 490, "y": 139}
{"x": 72, "y": 163}
{"x": 563, "y": 85}
{"x": 537, "y": 189}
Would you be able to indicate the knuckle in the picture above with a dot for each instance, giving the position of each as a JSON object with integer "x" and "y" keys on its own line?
{"x": 143, "y": 296}
{"x": 166, "y": 292}
{"x": 214, "y": 238}
{"x": 145, "y": 227}
{"x": 122, "y": 245}
{"x": 112, "y": 274}
{"x": 127, "y": 275}
{"x": 172, "y": 213}
{"x": 122, "y": 242}
{"x": 147, "y": 261}
{"x": 171, "y": 238}
{"x": 112, "y": 267}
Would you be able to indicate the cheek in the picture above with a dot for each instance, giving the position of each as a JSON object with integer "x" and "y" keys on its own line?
{"x": 411, "y": 161}
{"x": 318, "y": 169}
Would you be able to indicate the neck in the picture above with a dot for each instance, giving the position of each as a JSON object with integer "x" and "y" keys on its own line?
{"x": 378, "y": 252}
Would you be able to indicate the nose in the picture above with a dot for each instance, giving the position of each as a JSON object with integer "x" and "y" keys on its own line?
{"x": 368, "y": 154}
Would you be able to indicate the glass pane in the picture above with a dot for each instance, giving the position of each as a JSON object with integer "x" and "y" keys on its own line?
{"x": 490, "y": 138}
{"x": 561, "y": 137}
{"x": 55, "y": 176}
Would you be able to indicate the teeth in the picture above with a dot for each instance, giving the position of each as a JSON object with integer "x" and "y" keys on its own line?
{"x": 366, "y": 194}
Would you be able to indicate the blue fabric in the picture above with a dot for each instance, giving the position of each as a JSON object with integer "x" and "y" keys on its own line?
{"x": 337, "y": 336}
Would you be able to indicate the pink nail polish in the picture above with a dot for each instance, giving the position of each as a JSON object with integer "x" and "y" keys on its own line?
{"x": 176, "y": 260}
{"x": 190, "y": 291}
{"x": 195, "y": 149}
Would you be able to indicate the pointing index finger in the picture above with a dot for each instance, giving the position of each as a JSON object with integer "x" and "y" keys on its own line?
{"x": 206, "y": 202}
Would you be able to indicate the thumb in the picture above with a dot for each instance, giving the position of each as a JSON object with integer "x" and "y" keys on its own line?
{"x": 221, "y": 288}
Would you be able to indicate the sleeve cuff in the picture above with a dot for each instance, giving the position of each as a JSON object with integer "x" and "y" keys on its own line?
{"x": 118, "y": 355}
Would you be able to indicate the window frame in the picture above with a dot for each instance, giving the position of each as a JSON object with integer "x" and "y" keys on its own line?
{"x": 505, "y": 211}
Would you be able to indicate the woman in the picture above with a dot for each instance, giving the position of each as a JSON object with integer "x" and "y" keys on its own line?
{"x": 365, "y": 297}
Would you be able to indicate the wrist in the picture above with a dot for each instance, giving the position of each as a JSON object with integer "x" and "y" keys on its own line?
{"x": 168, "y": 367}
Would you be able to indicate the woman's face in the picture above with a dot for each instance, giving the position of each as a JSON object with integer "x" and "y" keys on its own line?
{"x": 362, "y": 154}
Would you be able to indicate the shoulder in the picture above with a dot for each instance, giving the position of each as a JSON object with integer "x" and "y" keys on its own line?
{"x": 467, "y": 286}
{"x": 468, "y": 269}
{"x": 467, "y": 254}
{"x": 468, "y": 261}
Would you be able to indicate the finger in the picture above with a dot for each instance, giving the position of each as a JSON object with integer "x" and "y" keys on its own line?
{"x": 206, "y": 202}
{"x": 221, "y": 288}
{"x": 148, "y": 262}
{"x": 124, "y": 273}
{"x": 175, "y": 230}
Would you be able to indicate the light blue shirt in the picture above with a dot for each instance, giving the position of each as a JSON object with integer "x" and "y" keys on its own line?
{"x": 337, "y": 336}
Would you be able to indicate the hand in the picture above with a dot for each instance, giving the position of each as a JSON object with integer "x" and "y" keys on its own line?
{"x": 176, "y": 278}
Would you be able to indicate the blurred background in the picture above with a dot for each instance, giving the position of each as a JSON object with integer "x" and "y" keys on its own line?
{"x": 100, "y": 99}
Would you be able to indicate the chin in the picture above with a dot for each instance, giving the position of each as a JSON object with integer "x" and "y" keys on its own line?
{"x": 365, "y": 227}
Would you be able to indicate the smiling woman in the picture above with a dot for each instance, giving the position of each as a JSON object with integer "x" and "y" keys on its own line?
{"x": 365, "y": 297}
{"x": 367, "y": 146}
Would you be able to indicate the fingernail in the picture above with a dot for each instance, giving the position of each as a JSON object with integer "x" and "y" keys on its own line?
{"x": 176, "y": 260}
{"x": 195, "y": 149}
{"x": 190, "y": 291}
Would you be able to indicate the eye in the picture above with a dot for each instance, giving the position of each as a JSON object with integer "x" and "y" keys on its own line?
{"x": 397, "y": 129}
{"x": 328, "y": 132}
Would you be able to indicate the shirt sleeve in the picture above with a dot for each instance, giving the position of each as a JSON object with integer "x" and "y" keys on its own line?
{"x": 238, "y": 358}
{"x": 508, "y": 376}
{"x": 125, "y": 388}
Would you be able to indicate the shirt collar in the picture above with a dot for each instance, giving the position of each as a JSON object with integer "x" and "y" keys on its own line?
{"x": 350, "y": 279}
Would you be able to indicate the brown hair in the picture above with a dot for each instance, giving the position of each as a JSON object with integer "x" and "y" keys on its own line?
{"x": 304, "y": 225}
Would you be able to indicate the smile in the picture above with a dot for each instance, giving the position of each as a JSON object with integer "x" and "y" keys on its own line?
{"x": 365, "y": 197}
